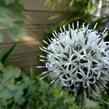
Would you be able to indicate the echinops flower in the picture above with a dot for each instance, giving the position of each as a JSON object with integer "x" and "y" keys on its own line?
{"x": 78, "y": 59}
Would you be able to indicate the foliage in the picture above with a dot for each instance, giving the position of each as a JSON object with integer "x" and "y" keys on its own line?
{"x": 11, "y": 20}
{"x": 73, "y": 11}
{"x": 10, "y": 89}
{"x": 21, "y": 90}
{"x": 5, "y": 57}
{"x": 18, "y": 90}
{"x": 88, "y": 11}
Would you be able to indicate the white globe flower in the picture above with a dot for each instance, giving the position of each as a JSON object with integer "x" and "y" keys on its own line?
{"x": 78, "y": 59}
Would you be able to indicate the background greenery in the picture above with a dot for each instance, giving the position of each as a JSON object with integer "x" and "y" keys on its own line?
{"x": 22, "y": 90}
{"x": 19, "y": 90}
{"x": 87, "y": 11}
{"x": 11, "y": 20}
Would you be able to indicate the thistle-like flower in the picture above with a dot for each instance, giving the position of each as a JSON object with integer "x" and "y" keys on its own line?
{"x": 78, "y": 59}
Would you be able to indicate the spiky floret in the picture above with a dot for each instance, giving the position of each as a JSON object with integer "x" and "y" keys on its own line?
{"x": 78, "y": 59}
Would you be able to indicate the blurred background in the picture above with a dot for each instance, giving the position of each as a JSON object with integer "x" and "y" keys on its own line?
{"x": 41, "y": 17}
{"x": 23, "y": 26}
{"x": 36, "y": 23}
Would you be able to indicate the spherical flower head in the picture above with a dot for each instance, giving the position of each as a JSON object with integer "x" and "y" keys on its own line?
{"x": 78, "y": 59}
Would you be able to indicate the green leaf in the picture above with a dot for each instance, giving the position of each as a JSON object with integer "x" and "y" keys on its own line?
{"x": 71, "y": 3}
{"x": 6, "y": 95}
{"x": 10, "y": 73}
{"x": 19, "y": 97}
{"x": 1, "y": 66}
{"x": 1, "y": 53}
{"x": 55, "y": 17}
{"x": 8, "y": 55}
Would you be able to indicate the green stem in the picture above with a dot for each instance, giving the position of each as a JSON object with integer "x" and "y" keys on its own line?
{"x": 82, "y": 101}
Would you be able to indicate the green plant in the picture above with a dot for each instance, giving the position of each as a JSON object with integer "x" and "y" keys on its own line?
{"x": 88, "y": 11}
{"x": 19, "y": 90}
{"x": 5, "y": 57}
{"x": 11, "y": 20}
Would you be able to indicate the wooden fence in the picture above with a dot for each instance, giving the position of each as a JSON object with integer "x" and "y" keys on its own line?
{"x": 37, "y": 20}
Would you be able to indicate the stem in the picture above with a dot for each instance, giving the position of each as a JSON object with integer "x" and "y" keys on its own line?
{"x": 82, "y": 101}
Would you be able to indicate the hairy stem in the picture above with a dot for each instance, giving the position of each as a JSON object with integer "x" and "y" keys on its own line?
{"x": 82, "y": 101}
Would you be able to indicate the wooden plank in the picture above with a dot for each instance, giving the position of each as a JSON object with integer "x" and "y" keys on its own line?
{"x": 22, "y": 48}
{"x": 39, "y": 5}
{"x": 25, "y": 61}
{"x": 34, "y": 68}
{"x": 40, "y": 18}
{"x": 23, "y": 55}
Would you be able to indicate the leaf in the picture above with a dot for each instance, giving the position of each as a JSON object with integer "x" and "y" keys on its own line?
{"x": 55, "y": 16}
{"x": 1, "y": 66}
{"x": 6, "y": 95}
{"x": 8, "y": 55}
{"x": 47, "y": 2}
{"x": 71, "y": 3}
{"x": 1, "y": 53}
{"x": 19, "y": 98}
{"x": 10, "y": 73}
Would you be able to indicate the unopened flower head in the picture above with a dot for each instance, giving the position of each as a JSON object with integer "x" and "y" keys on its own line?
{"x": 78, "y": 59}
